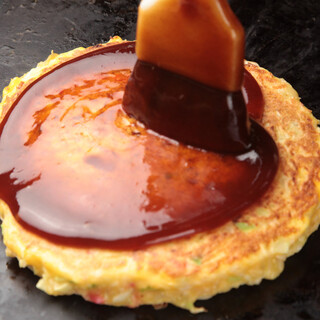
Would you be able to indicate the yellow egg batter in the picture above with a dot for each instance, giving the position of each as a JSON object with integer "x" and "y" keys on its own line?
{"x": 180, "y": 272}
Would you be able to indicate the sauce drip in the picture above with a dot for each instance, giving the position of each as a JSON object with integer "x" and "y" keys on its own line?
{"x": 186, "y": 110}
{"x": 252, "y": 95}
{"x": 76, "y": 169}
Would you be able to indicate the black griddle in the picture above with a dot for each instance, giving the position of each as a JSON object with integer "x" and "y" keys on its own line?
{"x": 282, "y": 36}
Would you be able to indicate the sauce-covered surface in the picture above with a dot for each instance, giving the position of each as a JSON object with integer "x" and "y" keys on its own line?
{"x": 76, "y": 168}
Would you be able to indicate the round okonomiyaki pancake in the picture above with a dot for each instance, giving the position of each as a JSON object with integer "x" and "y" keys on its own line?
{"x": 243, "y": 251}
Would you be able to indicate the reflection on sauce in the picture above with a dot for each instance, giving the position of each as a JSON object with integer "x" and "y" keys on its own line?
{"x": 252, "y": 96}
{"x": 75, "y": 168}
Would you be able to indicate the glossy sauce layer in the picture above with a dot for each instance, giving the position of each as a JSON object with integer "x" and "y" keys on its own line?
{"x": 75, "y": 168}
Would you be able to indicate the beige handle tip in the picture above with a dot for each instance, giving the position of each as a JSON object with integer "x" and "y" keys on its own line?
{"x": 200, "y": 39}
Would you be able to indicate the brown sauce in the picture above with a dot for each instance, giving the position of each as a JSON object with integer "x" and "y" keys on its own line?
{"x": 186, "y": 110}
{"x": 76, "y": 169}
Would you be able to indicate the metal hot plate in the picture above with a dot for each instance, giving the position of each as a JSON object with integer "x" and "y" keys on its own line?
{"x": 282, "y": 36}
